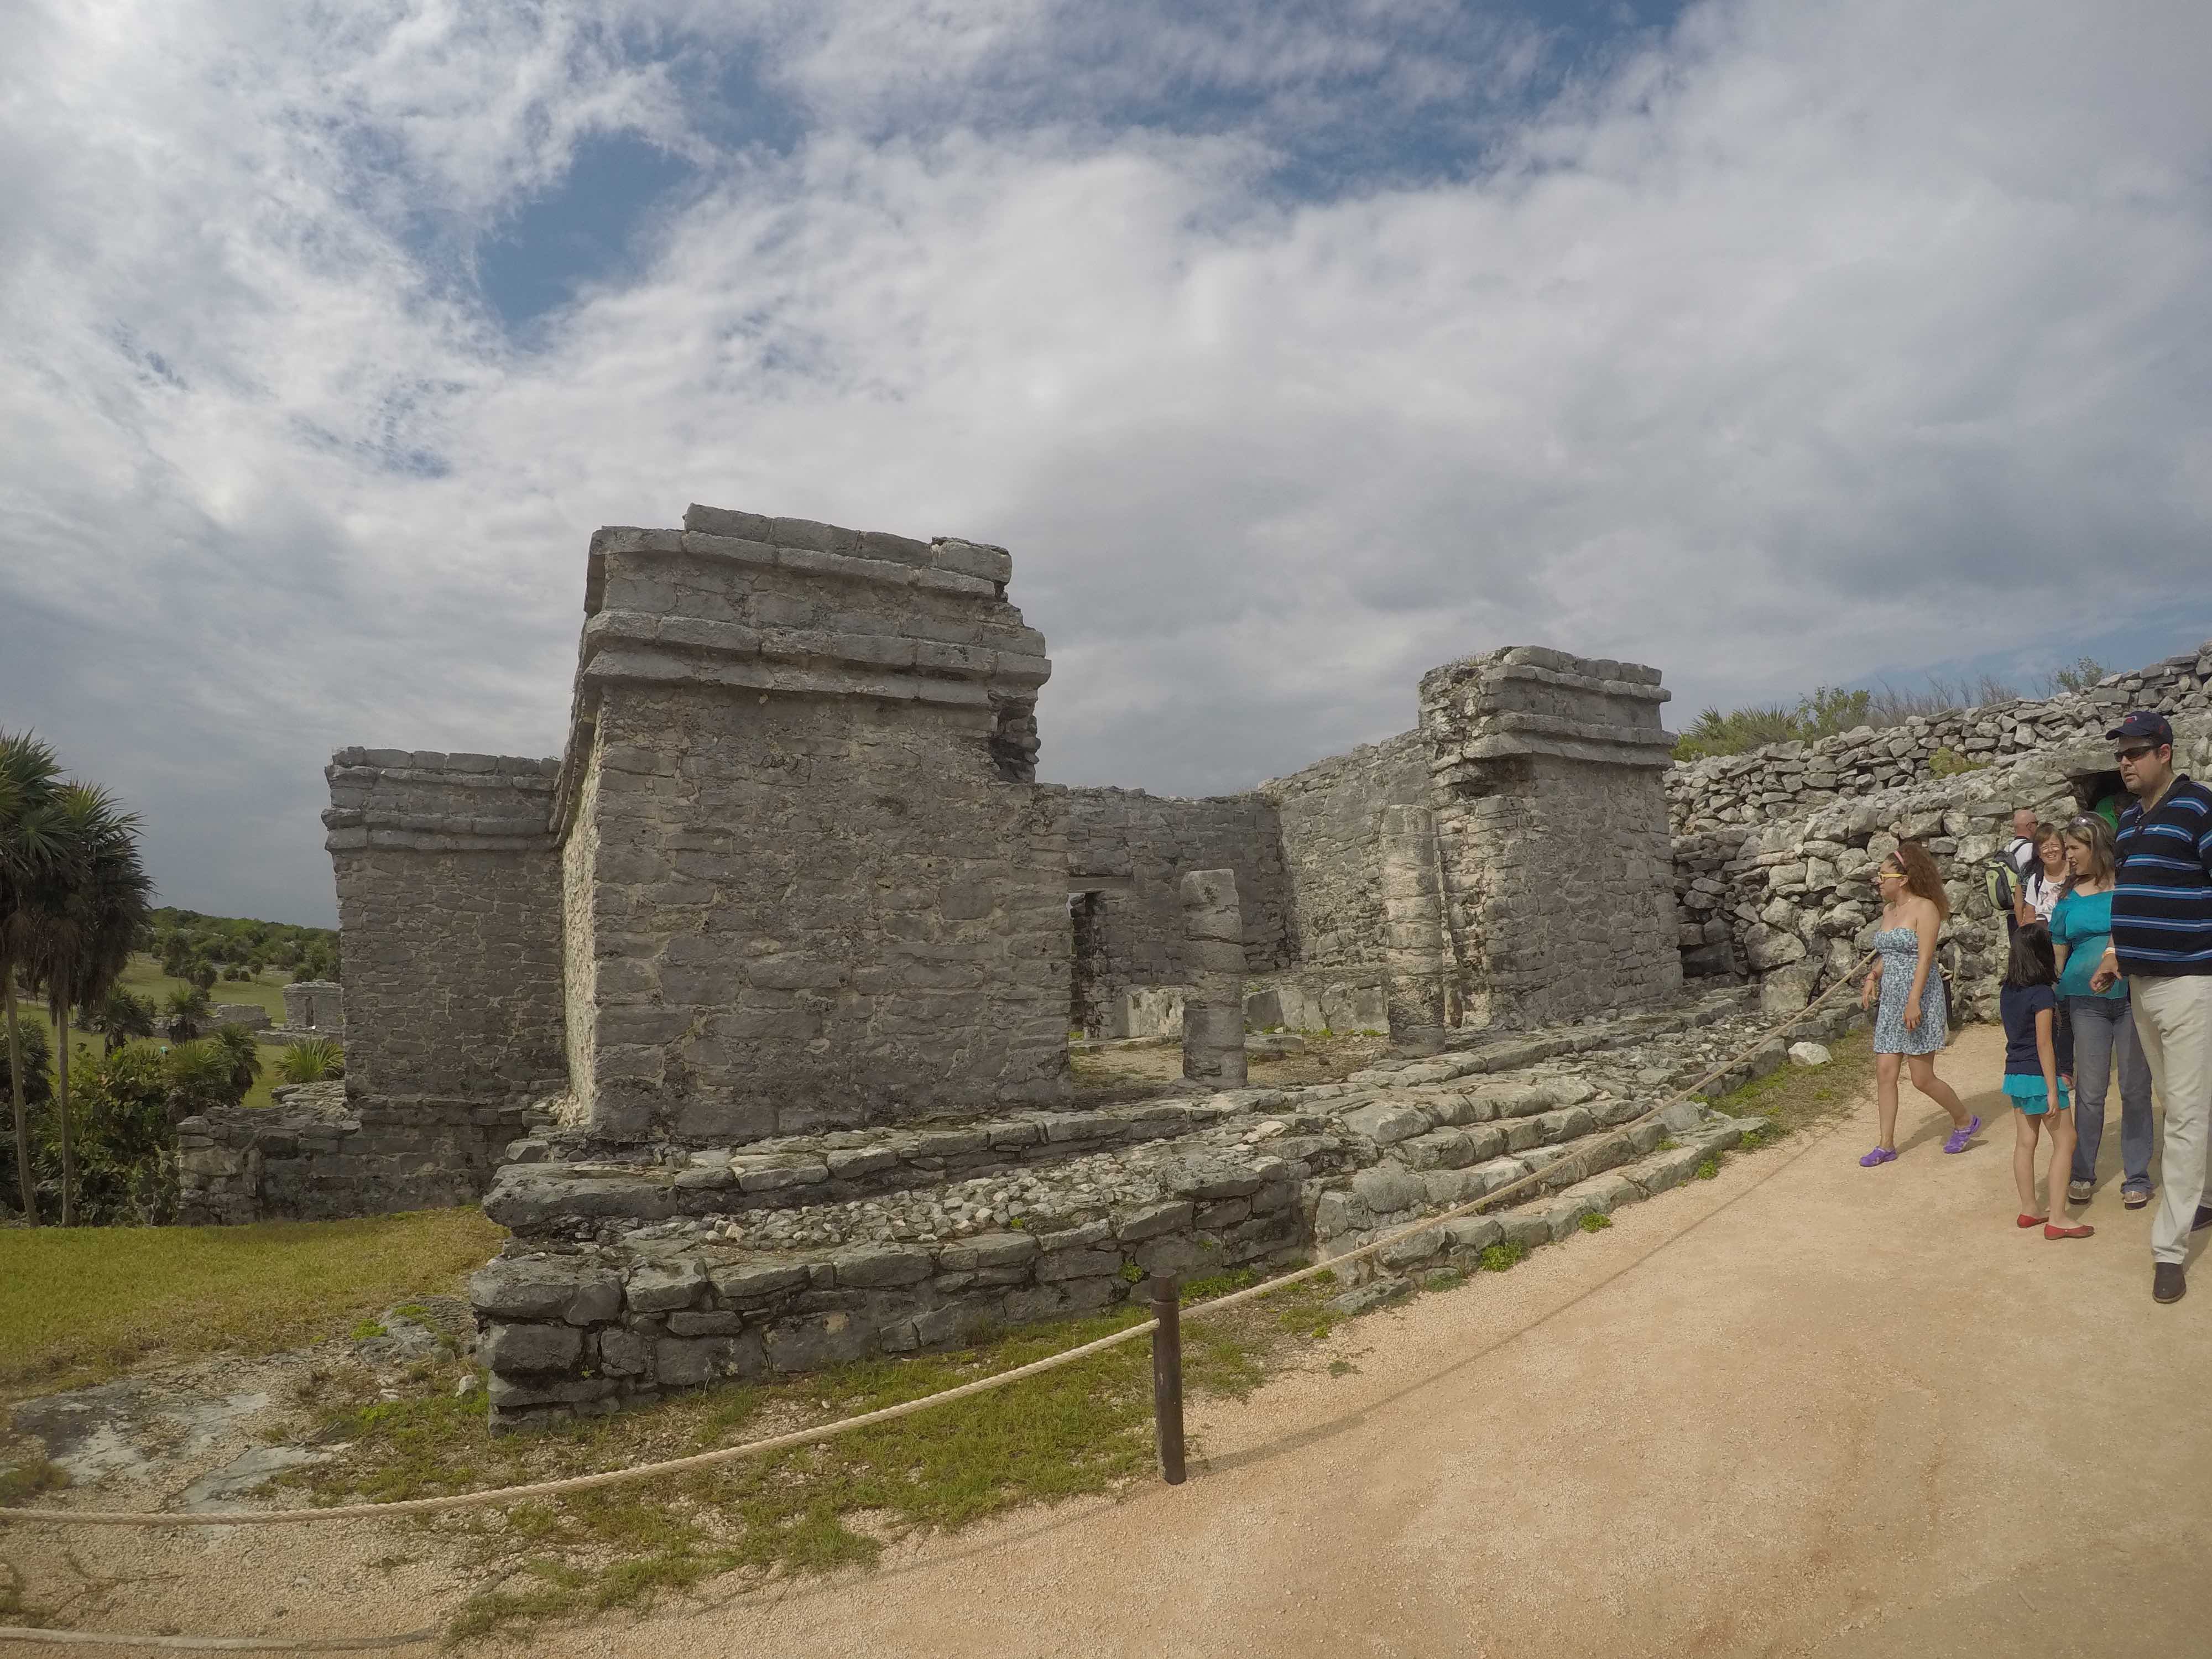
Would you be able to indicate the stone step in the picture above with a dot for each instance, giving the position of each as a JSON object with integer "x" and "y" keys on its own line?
{"x": 551, "y": 1183}
{"x": 625, "y": 1310}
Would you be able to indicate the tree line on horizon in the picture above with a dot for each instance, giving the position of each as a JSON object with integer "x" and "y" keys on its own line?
{"x": 1829, "y": 709}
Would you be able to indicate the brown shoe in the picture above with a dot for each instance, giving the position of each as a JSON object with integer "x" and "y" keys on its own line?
{"x": 2167, "y": 1282}
{"x": 2204, "y": 1218}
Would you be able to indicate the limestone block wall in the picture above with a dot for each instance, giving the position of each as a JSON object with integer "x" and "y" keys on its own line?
{"x": 1791, "y": 904}
{"x": 449, "y": 904}
{"x": 810, "y": 879}
{"x": 1782, "y": 779}
{"x": 1551, "y": 828}
{"x": 318, "y": 1156}
{"x": 1330, "y": 817}
{"x": 1127, "y": 854}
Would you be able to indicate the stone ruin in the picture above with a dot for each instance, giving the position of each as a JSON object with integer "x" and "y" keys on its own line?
{"x": 749, "y": 1015}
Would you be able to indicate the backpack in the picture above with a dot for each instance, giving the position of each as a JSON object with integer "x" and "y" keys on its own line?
{"x": 1998, "y": 877}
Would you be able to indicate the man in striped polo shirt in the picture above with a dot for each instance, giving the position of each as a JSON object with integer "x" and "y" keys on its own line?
{"x": 2163, "y": 941}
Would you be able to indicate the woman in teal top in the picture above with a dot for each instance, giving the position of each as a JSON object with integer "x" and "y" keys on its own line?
{"x": 2104, "y": 1024}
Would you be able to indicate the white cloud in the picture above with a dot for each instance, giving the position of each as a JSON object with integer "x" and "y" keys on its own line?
{"x": 1805, "y": 343}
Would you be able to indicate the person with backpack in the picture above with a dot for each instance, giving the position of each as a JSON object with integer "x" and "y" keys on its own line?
{"x": 2103, "y": 1022}
{"x": 2021, "y": 853}
{"x": 2036, "y": 1063}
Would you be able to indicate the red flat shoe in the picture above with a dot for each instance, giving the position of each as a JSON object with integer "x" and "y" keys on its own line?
{"x": 2067, "y": 1232}
{"x": 2032, "y": 1221}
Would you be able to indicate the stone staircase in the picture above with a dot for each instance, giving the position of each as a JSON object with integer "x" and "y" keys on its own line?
{"x": 633, "y": 1275}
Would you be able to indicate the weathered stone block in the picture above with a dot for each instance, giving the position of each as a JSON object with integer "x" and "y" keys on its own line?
{"x": 691, "y": 1360}
{"x": 660, "y": 1287}
{"x": 525, "y": 1349}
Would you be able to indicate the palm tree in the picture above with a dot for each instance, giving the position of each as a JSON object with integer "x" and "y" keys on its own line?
{"x": 184, "y": 1013}
{"x": 120, "y": 1018}
{"x": 30, "y": 845}
{"x": 85, "y": 915}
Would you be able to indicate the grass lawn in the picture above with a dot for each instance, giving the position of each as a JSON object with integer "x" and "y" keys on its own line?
{"x": 80, "y": 1304}
{"x": 1086, "y": 1428}
{"x": 144, "y": 978}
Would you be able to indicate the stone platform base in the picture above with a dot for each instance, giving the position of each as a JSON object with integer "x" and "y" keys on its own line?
{"x": 628, "y": 1278}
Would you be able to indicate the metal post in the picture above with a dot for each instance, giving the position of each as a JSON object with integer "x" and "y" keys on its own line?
{"x": 1167, "y": 1377}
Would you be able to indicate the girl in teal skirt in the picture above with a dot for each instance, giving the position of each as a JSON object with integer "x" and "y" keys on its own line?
{"x": 2038, "y": 1059}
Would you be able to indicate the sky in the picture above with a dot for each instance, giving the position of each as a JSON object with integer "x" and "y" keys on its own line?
{"x": 1292, "y": 348}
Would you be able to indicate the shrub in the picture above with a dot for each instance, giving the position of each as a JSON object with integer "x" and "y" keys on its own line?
{"x": 1948, "y": 763}
{"x": 245, "y": 1055}
{"x": 315, "y": 1060}
{"x": 202, "y": 1077}
{"x": 185, "y": 1013}
{"x": 124, "y": 1135}
{"x": 1496, "y": 1258}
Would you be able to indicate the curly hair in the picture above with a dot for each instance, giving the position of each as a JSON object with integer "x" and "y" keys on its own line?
{"x": 1920, "y": 875}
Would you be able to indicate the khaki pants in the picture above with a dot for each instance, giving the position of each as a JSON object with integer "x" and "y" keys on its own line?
{"x": 2174, "y": 1019}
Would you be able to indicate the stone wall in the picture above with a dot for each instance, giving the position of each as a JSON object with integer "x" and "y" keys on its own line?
{"x": 1127, "y": 854}
{"x": 448, "y": 894}
{"x": 1784, "y": 778}
{"x": 1770, "y": 849}
{"x": 315, "y": 1005}
{"x": 318, "y": 1155}
{"x": 1551, "y": 828}
{"x": 811, "y": 881}
{"x": 1330, "y": 817}
{"x": 1791, "y": 904}
{"x": 623, "y": 1282}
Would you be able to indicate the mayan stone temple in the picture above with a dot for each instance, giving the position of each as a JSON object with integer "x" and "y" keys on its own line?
{"x": 750, "y": 1015}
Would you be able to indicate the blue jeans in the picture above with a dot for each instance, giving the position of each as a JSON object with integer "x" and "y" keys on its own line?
{"x": 2104, "y": 1040}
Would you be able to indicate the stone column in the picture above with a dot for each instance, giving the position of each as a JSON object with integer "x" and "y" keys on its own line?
{"x": 1413, "y": 930}
{"x": 1213, "y": 1008}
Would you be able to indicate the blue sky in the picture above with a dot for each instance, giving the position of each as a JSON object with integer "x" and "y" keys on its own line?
{"x": 1292, "y": 348}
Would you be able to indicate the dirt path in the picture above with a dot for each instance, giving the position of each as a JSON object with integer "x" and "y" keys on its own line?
{"x": 1804, "y": 1409}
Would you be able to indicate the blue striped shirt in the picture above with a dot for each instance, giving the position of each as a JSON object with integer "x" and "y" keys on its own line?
{"x": 2162, "y": 898}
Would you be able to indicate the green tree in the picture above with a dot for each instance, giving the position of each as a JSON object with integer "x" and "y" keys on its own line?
{"x": 245, "y": 1055}
{"x": 36, "y": 1092}
{"x": 201, "y": 1076}
{"x": 120, "y": 1018}
{"x": 31, "y": 844}
{"x": 2077, "y": 676}
{"x": 185, "y": 1014}
{"x": 86, "y": 913}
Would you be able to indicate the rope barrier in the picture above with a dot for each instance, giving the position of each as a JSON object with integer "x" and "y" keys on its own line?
{"x": 93, "y": 1638}
{"x": 490, "y": 1496}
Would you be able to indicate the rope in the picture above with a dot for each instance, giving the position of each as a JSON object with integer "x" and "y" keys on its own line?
{"x": 1544, "y": 1175}
{"x": 888, "y": 1413}
{"x": 92, "y": 1638}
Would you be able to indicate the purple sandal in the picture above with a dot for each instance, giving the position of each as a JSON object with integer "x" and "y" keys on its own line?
{"x": 1879, "y": 1155}
{"x": 1958, "y": 1138}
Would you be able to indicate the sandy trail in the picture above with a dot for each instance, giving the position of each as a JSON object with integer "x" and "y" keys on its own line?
{"x": 1804, "y": 1409}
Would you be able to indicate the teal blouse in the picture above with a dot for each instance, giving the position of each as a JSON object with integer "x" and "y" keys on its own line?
{"x": 2082, "y": 923}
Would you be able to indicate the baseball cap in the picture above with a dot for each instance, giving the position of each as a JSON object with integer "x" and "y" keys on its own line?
{"x": 2142, "y": 724}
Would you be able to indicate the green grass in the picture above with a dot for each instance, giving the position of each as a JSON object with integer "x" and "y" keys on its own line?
{"x": 1595, "y": 1222}
{"x": 1498, "y": 1258}
{"x": 144, "y": 978}
{"x": 78, "y": 1305}
{"x": 1083, "y": 1429}
{"x": 1794, "y": 1097}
